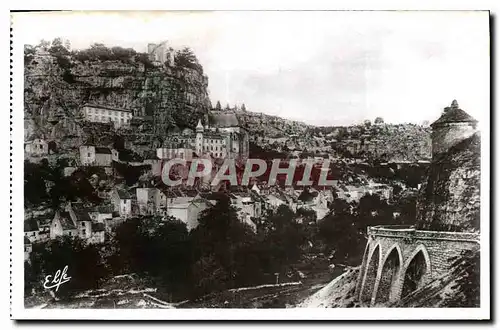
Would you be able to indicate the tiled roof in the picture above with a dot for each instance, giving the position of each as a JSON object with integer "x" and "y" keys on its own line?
{"x": 66, "y": 222}
{"x": 454, "y": 114}
{"x": 82, "y": 215}
{"x": 102, "y": 150}
{"x": 224, "y": 119}
{"x": 104, "y": 209}
{"x": 97, "y": 226}
{"x": 216, "y": 136}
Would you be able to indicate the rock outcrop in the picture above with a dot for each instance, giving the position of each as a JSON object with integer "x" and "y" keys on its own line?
{"x": 58, "y": 82}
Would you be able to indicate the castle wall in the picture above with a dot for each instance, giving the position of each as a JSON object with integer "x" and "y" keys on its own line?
{"x": 437, "y": 249}
{"x": 447, "y": 135}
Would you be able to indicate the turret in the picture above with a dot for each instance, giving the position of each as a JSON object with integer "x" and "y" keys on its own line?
{"x": 453, "y": 126}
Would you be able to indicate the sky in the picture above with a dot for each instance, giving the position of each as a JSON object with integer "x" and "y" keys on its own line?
{"x": 320, "y": 67}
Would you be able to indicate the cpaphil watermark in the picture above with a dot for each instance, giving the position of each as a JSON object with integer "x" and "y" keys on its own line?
{"x": 306, "y": 172}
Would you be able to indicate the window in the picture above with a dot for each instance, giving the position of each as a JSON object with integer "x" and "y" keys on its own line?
{"x": 121, "y": 114}
{"x": 88, "y": 154}
{"x": 83, "y": 224}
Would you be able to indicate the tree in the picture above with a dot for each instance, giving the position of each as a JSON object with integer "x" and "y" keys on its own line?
{"x": 285, "y": 238}
{"x": 29, "y": 52}
{"x": 243, "y": 108}
{"x": 186, "y": 58}
{"x": 218, "y": 239}
{"x": 58, "y": 48}
{"x": 466, "y": 269}
{"x": 379, "y": 120}
{"x": 218, "y": 106}
{"x": 227, "y": 108}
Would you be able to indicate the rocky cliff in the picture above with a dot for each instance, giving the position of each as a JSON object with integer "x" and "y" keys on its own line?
{"x": 58, "y": 82}
{"x": 262, "y": 125}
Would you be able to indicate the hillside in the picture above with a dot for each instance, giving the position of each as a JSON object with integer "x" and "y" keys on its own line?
{"x": 267, "y": 126}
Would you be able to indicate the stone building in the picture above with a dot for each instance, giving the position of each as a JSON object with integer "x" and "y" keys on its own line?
{"x": 150, "y": 200}
{"x": 161, "y": 53}
{"x": 122, "y": 202}
{"x": 36, "y": 147}
{"x": 175, "y": 150}
{"x": 77, "y": 221}
{"x": 400, "y": 260}
{"x": 105, "y": 114}
{"x": 188, "y": 211}
{"x": 222, "y": 137}
{"x": 96, "y": 156}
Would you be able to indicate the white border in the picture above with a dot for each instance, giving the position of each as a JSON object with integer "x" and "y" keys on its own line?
{"x": 18, "y": 311}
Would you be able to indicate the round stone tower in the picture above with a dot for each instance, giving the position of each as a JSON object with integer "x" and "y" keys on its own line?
{"x": 454, "y": 126}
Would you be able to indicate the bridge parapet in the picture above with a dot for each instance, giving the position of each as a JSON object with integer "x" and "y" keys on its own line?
{"x": 401, "y": 231}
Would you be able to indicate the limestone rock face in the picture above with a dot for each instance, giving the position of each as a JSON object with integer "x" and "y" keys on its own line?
{"x": 449, "y": 200}
{"x": 172, "y": 96}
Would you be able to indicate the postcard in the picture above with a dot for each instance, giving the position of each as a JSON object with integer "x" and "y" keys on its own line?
{"x": 250, "y": 165}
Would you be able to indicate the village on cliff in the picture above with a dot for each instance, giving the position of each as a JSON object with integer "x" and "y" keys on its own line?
{"x": 404, "y": 206}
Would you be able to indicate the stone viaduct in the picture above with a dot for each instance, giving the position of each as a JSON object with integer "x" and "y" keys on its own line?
{"x": 400, "y": 259}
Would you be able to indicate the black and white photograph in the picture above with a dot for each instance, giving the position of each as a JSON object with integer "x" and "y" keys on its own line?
{"x": 298, "y": 164}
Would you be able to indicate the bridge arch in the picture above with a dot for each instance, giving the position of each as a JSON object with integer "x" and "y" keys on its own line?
{"x": 417, "y": 270}
{"x": 388, "y": 288}
{"x": 374, "y": 260}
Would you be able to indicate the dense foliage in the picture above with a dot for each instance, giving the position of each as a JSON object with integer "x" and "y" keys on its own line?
{"x": 343, "y": 230}
{"x": 466, "y": 269}
{"x": 46, "y": 184}
{"x": 222, "y": 252}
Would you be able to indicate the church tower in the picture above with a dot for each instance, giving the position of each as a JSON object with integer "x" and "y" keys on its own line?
{"x": 199, "y": 138}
